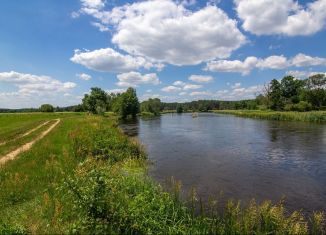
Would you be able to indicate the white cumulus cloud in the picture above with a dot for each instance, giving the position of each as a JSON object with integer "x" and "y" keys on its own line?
{"x": 243, "y": 67}
{"x": 165, "y": 31}
{"x": 84, "y": 76}
{"x": 201, "y": 78}
{"x": 171, "y": 89}
{"x": 285, "y": 17}
{"x": 271, "y": 62}
{"x": 134, "y": 79}
{"x": 109, "y": 60}
{"x": 32, "y": 90}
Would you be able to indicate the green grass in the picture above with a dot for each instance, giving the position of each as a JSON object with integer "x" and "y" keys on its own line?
{"x": 86, "y": 177}
{"x": 313, "y": 116}
{"x": 19, "y": 140}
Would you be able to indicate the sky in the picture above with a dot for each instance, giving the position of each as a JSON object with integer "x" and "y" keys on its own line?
{"x": 176, "y": 50}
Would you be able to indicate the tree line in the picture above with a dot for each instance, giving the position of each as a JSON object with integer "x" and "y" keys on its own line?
{"x": 287, "y": 94}
{"x": 292, "y": 94}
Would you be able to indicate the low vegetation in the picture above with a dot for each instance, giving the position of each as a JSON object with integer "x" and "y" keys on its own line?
{"x": 313, "y": 116}
{"x": 94, "y": 180}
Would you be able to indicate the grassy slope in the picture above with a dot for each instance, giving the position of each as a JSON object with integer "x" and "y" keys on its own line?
{"x": 87, "y": 177}
{"x": 314, "y": 116}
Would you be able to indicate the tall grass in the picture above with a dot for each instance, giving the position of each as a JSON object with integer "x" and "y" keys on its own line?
{"x": 314, "y": 116}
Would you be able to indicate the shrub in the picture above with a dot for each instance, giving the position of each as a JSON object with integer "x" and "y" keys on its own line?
{"x": 47, "y": 108}
{"x": 7, "y": 229}
{"x": 302, "y": 106}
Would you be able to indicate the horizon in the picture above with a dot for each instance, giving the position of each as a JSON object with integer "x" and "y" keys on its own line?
{"x": 177, "y": 51}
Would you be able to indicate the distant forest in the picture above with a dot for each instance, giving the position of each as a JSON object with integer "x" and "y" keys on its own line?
{"x": 286, "y": 94}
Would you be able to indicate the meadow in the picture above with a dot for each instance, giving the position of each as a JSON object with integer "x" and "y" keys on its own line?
{"x": 312, "y": 116}
{"x": 86, "y": 177}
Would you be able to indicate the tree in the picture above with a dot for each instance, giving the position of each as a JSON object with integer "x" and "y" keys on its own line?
{"x": 179, "y": 109}
{"x": 275, "y": 95}
{"x": 152, "y": 106}
{"x": 96, "y": 101}
{"x": 127, "y": 104}
{"x": 47, "y": 108}
{"x": 291, "y": 89}
{"x": 315, "y": 92}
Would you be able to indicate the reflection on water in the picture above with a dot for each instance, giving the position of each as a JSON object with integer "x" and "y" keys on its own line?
{"x": 244, "y": 158}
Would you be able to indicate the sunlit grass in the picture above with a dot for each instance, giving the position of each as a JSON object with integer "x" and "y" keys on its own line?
{"x": 313, "y": 116}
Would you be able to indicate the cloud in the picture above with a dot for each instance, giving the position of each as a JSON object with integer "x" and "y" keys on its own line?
{"x": 201, "y": 93}
{"x": 238, "y": 92}
{"x": 271, "y": 62}
{"x": 236, "y": 85}
{"x": 100, "y": 26}
{"x": 284, "y": 17}
{"x": 171, "y": 89}
{"x": 302, "y": 74}
{"x": 236, "y": 66}
{"x": 179, "y": 83}
{"x": 109, "y": 60}
{"x": 133, "y": 79}
{"x": 192, "y": 87}
{"x": 84, "y": 76}
{"x": 93, "y": 4}
{"x": 201, "y": 78}
{"x": 301, "y": 60}
{"x": 32, "y": 90}
{"x": 28, "y": 83}
{"x": 165, "y": 31}
{"x": 115, "y": 91}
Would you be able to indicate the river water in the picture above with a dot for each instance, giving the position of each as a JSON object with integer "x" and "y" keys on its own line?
{"x": 240, "y": 158}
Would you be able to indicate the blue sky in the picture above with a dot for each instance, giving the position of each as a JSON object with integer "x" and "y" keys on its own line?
{"x": 55, "y": 51}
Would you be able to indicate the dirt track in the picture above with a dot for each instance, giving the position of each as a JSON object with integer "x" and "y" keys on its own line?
{"x": 13, "y": 154}
{"x": 26, "y": 133}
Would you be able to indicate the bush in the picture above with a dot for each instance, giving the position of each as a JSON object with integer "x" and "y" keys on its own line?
{"x": 7, "y": 229}
{"x": 47, "y": 108}
{"x": 302, "y": 106}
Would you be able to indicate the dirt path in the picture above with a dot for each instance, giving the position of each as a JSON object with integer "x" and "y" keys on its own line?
{"x": 26, "y": 133}
{"x": 12, "y": 155}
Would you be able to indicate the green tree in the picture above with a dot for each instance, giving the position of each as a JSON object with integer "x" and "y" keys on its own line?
{"x": 179, "y": 109}
{"x": 47, "y": 108}
{"x": 291, "y": 89}
{"x": 96, "y": 101}
{"x": 275, "y": 95}
{"x": 152, "y": 106}
{"x": 315, "y": 92}
{"x": 127, "y": 104}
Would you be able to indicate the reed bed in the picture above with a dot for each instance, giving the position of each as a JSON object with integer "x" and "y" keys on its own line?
{"x": 313, "y": 116}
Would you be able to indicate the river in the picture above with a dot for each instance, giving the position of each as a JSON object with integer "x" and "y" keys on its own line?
{"x": 240, "y": 158}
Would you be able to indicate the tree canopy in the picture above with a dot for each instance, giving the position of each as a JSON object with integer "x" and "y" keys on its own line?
{"x": 47, "y": 108}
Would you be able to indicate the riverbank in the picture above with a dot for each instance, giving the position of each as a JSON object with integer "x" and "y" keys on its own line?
{"x": 94, "y": 180}
{"x": 313, "y": 116}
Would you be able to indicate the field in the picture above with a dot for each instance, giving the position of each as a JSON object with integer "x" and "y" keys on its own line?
{"x": 313, "y": 116}
{"x": 85, "y": 176}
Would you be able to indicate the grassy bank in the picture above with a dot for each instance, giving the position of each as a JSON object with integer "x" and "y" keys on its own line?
{"x": 314, "y": 116}
{"x": 87, "y": 177}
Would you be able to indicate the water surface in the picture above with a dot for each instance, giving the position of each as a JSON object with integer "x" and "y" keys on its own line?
{"x": 242, "y": 158}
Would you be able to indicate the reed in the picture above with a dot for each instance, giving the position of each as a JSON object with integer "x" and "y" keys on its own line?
{"x": 313, "y": 116}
